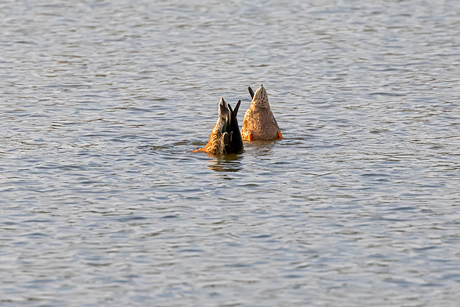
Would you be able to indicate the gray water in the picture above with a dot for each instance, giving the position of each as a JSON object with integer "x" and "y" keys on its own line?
{"x": 103, "y": 204}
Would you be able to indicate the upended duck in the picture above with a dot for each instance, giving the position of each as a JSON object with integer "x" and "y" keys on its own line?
{"x": 225, "y": 137}
{"x": 259, "y": 122}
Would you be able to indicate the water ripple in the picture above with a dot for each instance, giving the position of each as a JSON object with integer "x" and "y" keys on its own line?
{"x": 103, "y": 202}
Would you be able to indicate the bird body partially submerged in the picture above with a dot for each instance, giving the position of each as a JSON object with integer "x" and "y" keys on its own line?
{"x": 259, "y": 122}
{"x": 225, "y": 137}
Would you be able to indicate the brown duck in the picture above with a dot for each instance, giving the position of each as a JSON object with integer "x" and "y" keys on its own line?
{"x": 259, "y": 123}
{"x": 225, "y": 137}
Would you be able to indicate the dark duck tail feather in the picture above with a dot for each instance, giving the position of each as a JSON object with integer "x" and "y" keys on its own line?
{"x": 231, "y": 132}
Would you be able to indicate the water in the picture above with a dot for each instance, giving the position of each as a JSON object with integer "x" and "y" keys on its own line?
{"x": 103, "y": 204}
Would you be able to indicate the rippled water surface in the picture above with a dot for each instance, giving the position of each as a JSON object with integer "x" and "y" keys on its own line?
{"x": 103, "y": 204}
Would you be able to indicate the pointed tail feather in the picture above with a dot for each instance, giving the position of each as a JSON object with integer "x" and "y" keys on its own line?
{"x": 251, "y": 92}
{"x": 236, "y": 108}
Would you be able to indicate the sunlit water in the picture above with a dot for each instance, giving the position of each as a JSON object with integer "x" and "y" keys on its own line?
{"x": 103, "y": 203}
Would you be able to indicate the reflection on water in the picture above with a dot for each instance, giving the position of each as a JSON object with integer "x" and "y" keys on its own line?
{"x": 229, "y": 163}
{"x": 260, "y": 148}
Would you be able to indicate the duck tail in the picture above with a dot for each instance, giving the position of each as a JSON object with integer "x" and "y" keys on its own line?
{"x": 251, "y": 92}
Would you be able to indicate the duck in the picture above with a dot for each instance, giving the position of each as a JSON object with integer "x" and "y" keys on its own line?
{"x": 259, "y": 122}
{"x": 225, "y": 137}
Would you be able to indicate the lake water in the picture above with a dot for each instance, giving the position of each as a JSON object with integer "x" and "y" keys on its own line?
{"x": 103, "y": 204}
